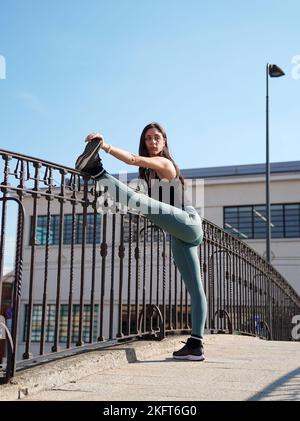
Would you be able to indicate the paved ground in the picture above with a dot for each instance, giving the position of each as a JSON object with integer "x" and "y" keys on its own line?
{"x": 237, "y": 368}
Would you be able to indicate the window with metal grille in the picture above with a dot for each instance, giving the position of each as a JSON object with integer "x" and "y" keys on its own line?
{"x": 249, "y": 222}
{"x": 37, "y": 317}
{"x": 72, "y": 229}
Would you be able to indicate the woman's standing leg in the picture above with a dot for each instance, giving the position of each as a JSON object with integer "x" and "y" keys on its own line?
{"x": 186, "y": 230}
{"x": 187, "y": 261}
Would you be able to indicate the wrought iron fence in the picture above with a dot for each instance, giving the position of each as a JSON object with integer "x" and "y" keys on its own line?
{"x": 84, "y": 280}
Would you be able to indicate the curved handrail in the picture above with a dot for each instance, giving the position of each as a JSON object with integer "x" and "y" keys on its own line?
{"x": 32, "y": 159}
{"x": 240, "y": 283}
{"x": 279, "y": 280}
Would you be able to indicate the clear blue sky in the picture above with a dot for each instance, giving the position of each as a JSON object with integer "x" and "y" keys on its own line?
{"x": 197, "y": 67}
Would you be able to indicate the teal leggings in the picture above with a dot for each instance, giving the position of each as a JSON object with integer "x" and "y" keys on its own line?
{"x": 185, "y": 228}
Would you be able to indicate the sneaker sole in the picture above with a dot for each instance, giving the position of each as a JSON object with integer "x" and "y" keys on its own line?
{"x": 190, "y": 357}
{"x": 86, "y": 156}
{"x": 99, "y": 174}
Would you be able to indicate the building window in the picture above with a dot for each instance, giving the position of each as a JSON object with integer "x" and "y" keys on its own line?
{"x": 249, "y": 222}
{"x": 37, "y": 314}
{"x": 69, "y": 226}
{"x": 78, "y": 228}
{"x": 41, "y": 230}
{"x": 292, "y": 220}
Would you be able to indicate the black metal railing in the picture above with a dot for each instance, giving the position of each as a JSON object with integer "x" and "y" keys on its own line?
{"x": 84, "y": 279}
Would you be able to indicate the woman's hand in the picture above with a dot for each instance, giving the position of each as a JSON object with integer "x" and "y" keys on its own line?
{"x": 93, "y": 136}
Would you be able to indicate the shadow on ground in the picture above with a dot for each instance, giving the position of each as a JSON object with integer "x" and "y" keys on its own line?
{"x": 286, "y": 388}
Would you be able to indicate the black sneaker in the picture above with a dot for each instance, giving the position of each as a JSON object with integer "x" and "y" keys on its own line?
{"x": 89, "y": 161}
{"x": 190, "y": 351}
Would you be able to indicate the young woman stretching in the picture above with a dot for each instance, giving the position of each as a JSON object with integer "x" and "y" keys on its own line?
{"x": 180, "y": 220}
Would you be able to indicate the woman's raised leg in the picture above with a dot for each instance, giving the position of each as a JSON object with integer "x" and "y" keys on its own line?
{"x": 182, "y": 224}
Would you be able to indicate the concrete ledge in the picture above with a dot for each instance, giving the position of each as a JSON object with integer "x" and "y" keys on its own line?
{"x": 70, "y": 369}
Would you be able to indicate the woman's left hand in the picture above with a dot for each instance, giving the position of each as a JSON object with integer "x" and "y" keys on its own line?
{"x": 93, "y": 136}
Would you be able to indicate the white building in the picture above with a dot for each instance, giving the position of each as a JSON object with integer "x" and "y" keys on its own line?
{"x": 235, "y": 200}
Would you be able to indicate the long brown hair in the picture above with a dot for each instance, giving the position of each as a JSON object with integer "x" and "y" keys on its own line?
{"x": 165, "y": 152}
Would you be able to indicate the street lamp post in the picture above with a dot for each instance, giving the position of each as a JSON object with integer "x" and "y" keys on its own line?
{"x": 273, "y": 71}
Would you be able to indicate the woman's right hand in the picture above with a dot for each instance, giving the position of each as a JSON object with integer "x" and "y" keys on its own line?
{"x": 93, "y": 136}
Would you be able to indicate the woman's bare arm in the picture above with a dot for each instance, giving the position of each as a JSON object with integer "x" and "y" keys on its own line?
{"x": 159, "y": 164}
{"x": 163, "y": 166}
